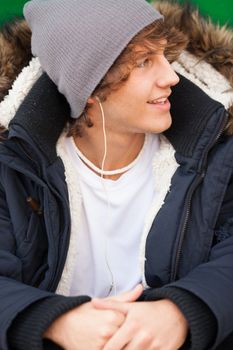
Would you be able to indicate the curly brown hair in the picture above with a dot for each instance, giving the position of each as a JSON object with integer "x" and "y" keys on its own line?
{"x": 148, "y": 40}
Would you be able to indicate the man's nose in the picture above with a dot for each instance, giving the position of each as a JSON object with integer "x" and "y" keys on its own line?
{"x": 167, "y": 76}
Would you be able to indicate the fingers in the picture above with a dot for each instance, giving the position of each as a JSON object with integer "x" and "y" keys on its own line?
{"x": 120, "y": 302}
{"x": 108, "y": 304}
{"x": 141, "y": 341}
{"x": 116, "y": 318}
{"x": 120, "y": 339}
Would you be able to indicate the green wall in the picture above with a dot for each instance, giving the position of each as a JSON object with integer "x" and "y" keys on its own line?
{"x": 220, "y": 10}
{"x": 10, "y": 9}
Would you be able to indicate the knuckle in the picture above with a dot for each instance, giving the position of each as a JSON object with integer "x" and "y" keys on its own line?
{"x": 115, "y": 317}
{"x": 146, "y": 337}
{"x": 121, "y": 319}
{"x": 105, "y": 332}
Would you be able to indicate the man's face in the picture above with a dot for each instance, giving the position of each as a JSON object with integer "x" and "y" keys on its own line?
{"x": 141, "y": 104}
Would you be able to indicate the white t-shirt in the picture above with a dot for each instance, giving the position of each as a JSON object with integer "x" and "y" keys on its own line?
{"x": 111, "y": 223}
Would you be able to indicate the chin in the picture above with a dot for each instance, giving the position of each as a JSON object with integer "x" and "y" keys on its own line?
{"x": 162, "y": 126}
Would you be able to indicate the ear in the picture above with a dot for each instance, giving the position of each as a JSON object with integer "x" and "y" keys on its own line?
{"x": 91, "y": 100}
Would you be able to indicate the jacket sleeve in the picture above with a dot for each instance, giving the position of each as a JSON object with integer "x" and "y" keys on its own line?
{"x": 25, "y": 311}
{"x": 202, "y": 323}
{"x": 27, "y": 329}
{"x": 210, "y": 285}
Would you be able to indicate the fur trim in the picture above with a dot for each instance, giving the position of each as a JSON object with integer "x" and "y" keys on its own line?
{"x": 207, "y": 42}
{"x": 15, "y": 53}
{"x": 75, "y": 200}
{"x": 206, "y": 77}
{"x": 164, "y": 167}
{"x": 210, "y": 44}
{"x": 19, "y": 90}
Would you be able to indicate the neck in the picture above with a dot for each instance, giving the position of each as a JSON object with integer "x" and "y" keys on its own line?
{"x": 122, "y": 149}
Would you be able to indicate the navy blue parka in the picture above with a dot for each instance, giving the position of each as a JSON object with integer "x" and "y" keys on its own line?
{"x": 193, "y": 229}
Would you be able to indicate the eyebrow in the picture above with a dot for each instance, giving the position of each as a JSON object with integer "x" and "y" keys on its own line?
{"x": 148, "y": 53}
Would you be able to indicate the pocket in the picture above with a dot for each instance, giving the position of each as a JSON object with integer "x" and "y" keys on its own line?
{"x": 32, "y": 229}
{"x": 34, "y": 236}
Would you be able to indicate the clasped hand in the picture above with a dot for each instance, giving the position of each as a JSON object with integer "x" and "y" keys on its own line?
{"x": 118, "y": 323}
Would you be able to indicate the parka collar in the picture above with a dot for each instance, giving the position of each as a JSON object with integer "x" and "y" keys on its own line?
{"x": 44, "y": 113}
{"x": 192, "y": 111}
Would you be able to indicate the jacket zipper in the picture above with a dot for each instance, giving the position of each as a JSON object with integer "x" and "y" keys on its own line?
{"x": 195, "y": 184}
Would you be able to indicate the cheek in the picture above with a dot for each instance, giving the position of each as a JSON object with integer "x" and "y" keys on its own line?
{"x": 125, "y": 102}
{"x": 134, "y": 99}
{"x": 136, "y": 89}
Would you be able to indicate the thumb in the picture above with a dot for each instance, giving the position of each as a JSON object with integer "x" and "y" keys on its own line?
{"x": 129, "y": 296}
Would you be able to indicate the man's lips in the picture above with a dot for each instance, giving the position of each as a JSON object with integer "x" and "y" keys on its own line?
{"x": 162, "y": 103}
{"x": 161, "y": 100}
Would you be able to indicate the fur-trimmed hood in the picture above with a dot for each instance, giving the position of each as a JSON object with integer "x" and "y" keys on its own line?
{"x": 209, "y": 50}
{"x": 207, "y": 59}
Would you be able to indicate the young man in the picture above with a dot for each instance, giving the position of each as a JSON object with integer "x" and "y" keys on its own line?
{"x": 97, "y": 205}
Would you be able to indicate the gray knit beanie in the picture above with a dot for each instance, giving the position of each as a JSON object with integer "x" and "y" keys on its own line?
{"x": 77, "y": 41}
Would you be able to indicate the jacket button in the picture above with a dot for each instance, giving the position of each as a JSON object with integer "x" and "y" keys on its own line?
{"x": 34, "y": 205}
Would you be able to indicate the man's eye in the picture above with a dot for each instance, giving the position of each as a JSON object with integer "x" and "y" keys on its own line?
{"x": 144, "y": 63}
